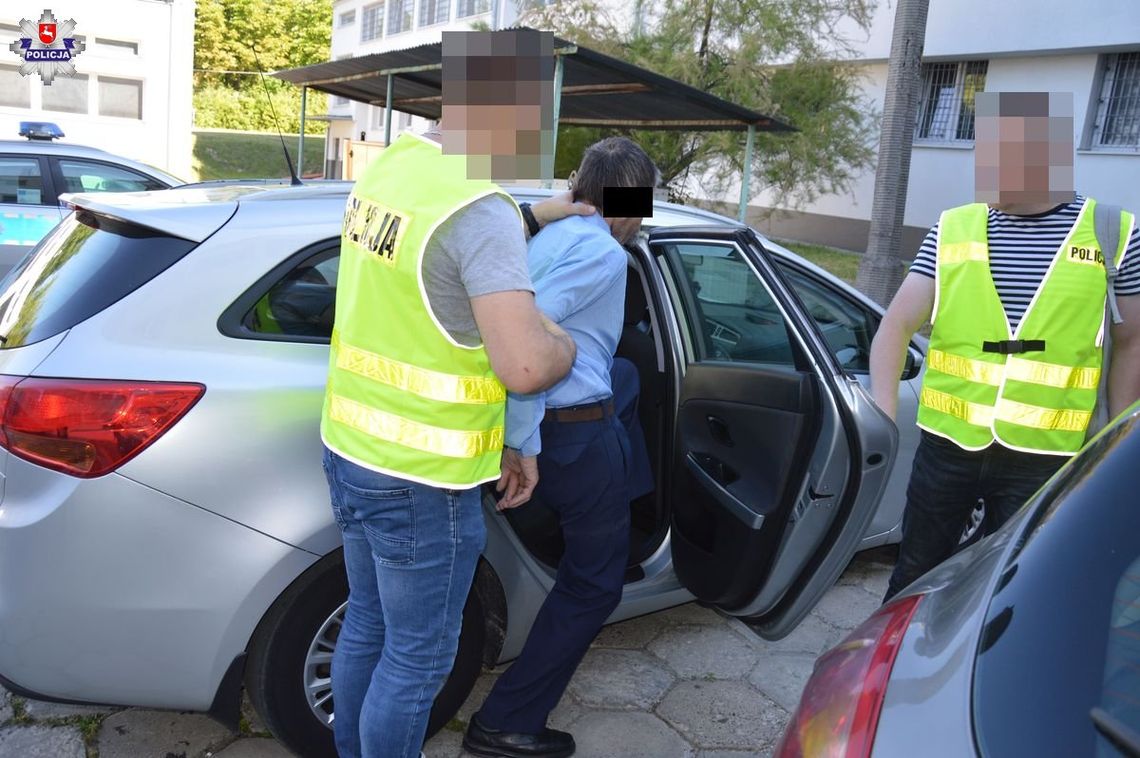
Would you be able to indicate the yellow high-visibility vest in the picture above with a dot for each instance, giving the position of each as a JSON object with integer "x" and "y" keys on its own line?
{"x": 403, "y": 397}
{"x": 1036, "y": 398}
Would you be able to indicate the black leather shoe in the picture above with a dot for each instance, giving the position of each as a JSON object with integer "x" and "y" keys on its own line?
{"x": 549, "y": 743}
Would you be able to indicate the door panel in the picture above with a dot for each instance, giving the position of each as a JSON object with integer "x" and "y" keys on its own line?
{"x": 745, "y": 432}
{"x": 779, "y": 456}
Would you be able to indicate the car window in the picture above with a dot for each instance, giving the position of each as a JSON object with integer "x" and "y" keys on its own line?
{"x": 1120, "y": 693}
{"x": 84, "y": 265}
{"x": 847, "y": 327}
{"x": 89, "y": 176}
{"x": 1062, "y": 631}
{"x": 20, "y": 181}
{"x": 300, "y": 303}
{"x": 731, "y": 315}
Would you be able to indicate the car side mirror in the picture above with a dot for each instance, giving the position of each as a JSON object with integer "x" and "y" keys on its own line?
{"x": 913, "y": 363}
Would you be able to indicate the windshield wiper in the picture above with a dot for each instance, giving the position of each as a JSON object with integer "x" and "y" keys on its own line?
{"x": 1123, "y": 737}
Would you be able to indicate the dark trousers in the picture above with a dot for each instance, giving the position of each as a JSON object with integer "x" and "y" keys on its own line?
{"x": 583, "y": 475}
{"x": 944, "y": 487}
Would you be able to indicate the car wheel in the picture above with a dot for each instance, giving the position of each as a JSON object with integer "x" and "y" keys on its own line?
{"x": 287, "y": 674}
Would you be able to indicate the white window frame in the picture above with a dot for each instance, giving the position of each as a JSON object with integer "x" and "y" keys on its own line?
{"x": 461, "y": 5}
{"x": 380, "y": 9}
{"x": 1117, "y": 101}
{"x": 942, "y": 127}
{"x": 403, "y": 8}
{"x": 424, "y": 5}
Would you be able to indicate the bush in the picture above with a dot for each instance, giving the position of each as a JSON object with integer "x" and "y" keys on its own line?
{"x": 219, "y": 107}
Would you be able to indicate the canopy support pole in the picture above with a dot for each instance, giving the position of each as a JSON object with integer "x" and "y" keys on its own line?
{"x": 558, "y": 61}
{"x": 746, "y": 178}
{"x": 301, "y": 136}
{"x": 388, "y": 114}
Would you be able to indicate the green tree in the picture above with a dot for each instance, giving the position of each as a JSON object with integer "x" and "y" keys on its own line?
{"x": 779, "y": 57}
{"x": 283, "y": 34}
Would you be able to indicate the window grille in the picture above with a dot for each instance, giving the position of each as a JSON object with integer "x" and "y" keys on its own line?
{"x": 1118, "y": 111}
{"x": 946, "y": 108}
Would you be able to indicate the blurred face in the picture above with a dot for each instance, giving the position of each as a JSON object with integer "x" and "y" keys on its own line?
{"x": 1022, "y": 157}
{"x": 498, "y": 103}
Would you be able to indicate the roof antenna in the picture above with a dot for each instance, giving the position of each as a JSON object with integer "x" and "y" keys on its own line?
{"x": 295, "y": 180}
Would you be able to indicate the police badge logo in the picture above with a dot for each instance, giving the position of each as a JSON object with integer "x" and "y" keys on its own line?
{"x": 47, "y": 47}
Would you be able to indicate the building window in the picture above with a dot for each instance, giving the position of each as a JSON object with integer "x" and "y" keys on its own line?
{"x": 15, "y": 90}
{"x": 371, "y": 22}
{"x": 1118, "y": 109}
{"x": 67, "y": 94}
{"x": 348, "y": 18}
{"x": 117, "y": 46}
{"x": 472, "y": 8}
{"x": 434, "y": 12}
{"x": 946, "y": 110}
{"x": 399, "y": 16}
{"x": 120, "y": 97}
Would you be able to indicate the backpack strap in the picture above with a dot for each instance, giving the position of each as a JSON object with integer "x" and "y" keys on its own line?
{"x": 1106, "y": 220}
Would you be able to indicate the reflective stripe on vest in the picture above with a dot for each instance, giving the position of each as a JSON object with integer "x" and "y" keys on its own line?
{"x": 403, "y": 397}
{"x": 1039, "y": 401}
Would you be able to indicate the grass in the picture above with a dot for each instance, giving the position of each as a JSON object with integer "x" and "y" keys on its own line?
{"x": 246, "y": 155}
{"x": 839, "y": 262}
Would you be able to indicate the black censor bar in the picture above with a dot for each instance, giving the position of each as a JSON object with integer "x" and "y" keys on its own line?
{"x": 627, "y": 202}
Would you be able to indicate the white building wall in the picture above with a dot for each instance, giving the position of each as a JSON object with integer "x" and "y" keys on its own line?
{"x": 1047, "y": 45}
{"x": 347, "y": 42}
{"x": 163, "y": 31}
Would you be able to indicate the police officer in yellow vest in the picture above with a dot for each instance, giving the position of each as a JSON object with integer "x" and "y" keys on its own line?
{"x": 1015, "y": 289}
{"x": 435, "y": 320}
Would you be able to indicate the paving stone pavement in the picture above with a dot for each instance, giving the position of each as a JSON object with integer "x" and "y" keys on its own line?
{"x": 683, "y": 683}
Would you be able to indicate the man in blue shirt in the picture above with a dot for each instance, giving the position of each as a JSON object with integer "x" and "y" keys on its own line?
{"x": 571, "y": 443}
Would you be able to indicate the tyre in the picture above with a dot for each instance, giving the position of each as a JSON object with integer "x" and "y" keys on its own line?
{"x": 290, "y": 658}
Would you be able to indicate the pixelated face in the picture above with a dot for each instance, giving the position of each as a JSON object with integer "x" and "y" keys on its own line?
{"x": 1023, "y": 147}
{"x": 498, "y": 103}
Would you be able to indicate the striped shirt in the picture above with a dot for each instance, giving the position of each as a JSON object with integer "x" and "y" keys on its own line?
{"x": 1021, "y": 249}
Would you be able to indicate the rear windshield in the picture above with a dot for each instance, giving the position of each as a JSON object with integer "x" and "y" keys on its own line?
{"x": 85, "y": 264}
{"x": 1062, "y": 634}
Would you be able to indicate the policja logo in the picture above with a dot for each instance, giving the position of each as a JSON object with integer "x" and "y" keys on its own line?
{"x": 47, "y": 47}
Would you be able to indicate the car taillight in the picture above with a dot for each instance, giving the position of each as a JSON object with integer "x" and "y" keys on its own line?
{"x": 87, "y": 427}
{"x": 839, "y": 710}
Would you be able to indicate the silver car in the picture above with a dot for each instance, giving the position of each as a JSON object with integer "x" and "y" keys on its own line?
{"x": 165, "y": 533}
{"x": 34, "y": 172}
{"x": 1026, "y": 644}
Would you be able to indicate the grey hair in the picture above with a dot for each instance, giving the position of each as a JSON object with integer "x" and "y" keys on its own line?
{"x": 613, "y": 162}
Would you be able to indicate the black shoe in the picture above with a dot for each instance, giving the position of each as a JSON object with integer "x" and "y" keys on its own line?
{"x": 549, "y": 743}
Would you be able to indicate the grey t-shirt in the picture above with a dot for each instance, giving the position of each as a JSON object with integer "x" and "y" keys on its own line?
{"x": 479, "y": 250}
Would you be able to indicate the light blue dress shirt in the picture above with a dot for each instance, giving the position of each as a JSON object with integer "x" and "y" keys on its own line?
{"x": 578, "y": 270}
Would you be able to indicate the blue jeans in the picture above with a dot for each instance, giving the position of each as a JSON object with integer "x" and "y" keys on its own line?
{"x": 944, "y": 487}
{"x": 410, "y": 552}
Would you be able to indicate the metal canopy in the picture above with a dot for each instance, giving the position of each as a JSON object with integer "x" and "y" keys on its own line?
{"x": 596, "y": 90}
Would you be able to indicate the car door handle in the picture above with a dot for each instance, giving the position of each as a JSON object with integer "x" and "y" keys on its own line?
{"x": 720, "y": 493}
{"x": 719, "y": 431}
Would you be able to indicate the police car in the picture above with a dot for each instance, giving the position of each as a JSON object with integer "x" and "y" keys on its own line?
{"x": 35, "y": 171}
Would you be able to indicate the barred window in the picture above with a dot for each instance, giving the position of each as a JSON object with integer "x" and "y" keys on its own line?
{"x": 1118, "y": 110}
{"x": 434, "y": 12}
{"x": 348, "y": 18}
{"x": 472, "y": 8}
{"x": 399, "y": 16}
{"x": 946, "y": 108}
{"x": 371, "y": 22}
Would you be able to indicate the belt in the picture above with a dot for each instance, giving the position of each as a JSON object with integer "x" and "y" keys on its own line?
{"x": 589, "y": 412}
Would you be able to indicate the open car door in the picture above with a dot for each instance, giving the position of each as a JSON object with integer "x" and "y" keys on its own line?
{"x": 779, "y": 457}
